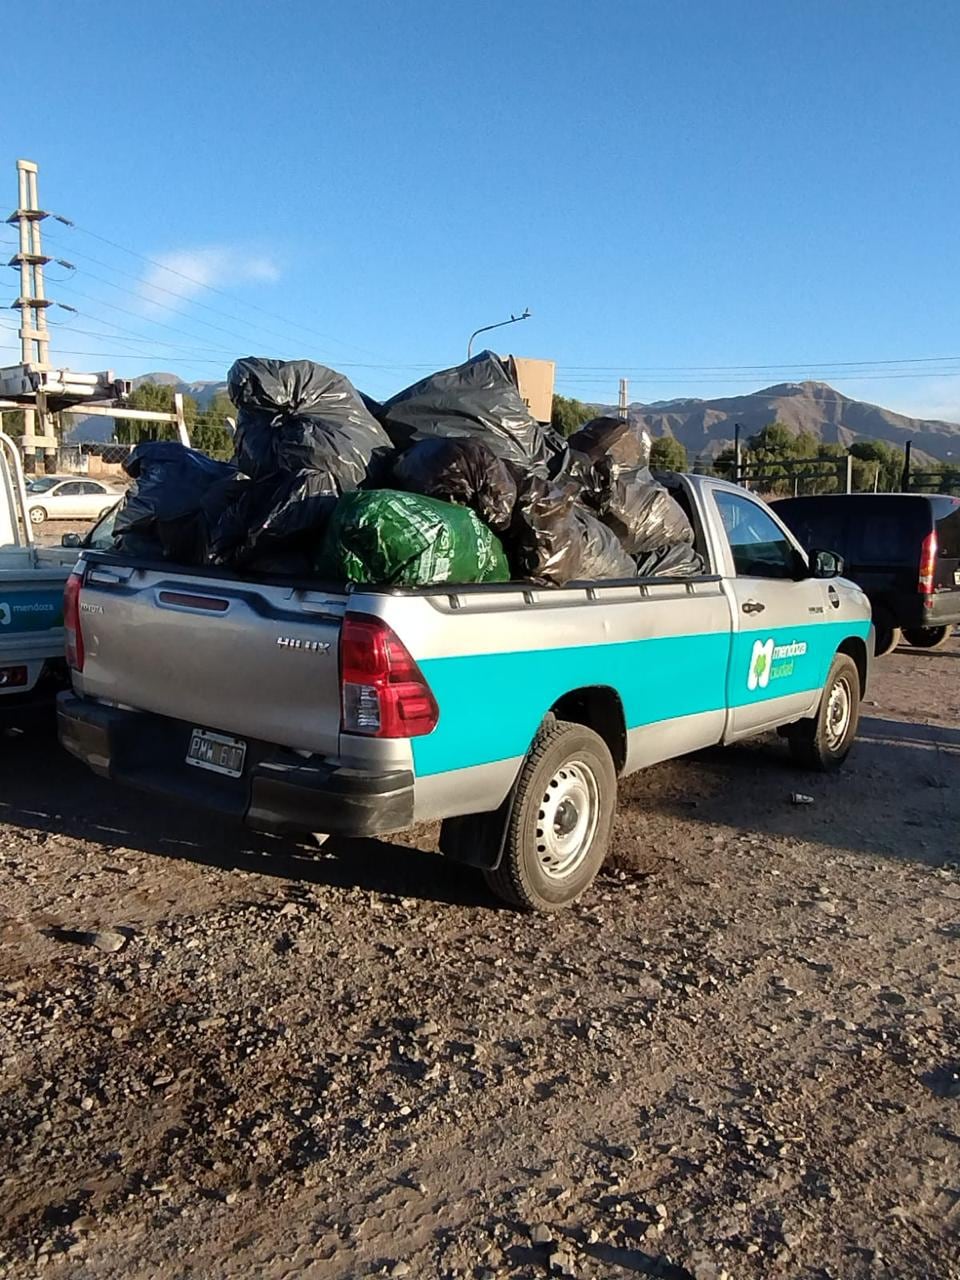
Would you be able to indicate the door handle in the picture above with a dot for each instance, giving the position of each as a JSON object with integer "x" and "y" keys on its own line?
{"x": 752, "y": 606}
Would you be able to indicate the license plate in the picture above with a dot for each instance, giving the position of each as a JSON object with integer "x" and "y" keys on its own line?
{"x": 217, "y": 752}
{"x": 956, "y": 577}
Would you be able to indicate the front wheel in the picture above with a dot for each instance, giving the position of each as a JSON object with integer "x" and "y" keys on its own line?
{"x": 37, "y": 515}
{"x": 824, "y": 741}
{"x": 562, "y": 817}
{"x": 927, "y": 637}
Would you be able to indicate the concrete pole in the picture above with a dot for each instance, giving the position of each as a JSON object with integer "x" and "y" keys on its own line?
{"x": 26, "y": 291}
{"x": 39, "y": 297}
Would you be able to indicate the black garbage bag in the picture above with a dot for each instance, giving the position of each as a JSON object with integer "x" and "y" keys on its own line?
{"x": 641, "y": 512}
{"x": 555, "y": 540}
{"x": 678, "y": 561}
{"x": 170, "y": 481}
{"x": 615, "y": 441}
{"x": 273, "y": 519}
{"x": 162, "y": 507}
{"x": 476, "y": 400}
{"x": 461, "y": 470}
{"x": 294, "y": 415}
{"x": 142, "y": 546}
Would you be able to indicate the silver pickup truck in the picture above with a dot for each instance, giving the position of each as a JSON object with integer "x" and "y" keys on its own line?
{"x": 509, "y": 711}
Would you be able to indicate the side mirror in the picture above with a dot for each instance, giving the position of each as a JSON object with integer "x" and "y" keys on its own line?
{"x": 825, "y": 564}
{"x": 71, "y": 540}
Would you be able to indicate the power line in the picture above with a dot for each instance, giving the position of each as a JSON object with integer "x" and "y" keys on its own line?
{"x": 721, "y": 368}
{"x": 163, "y": 306}
{"x": 185, "y": 298}
{"x": 202, "y": 284}
{"x": 865, "y": 377}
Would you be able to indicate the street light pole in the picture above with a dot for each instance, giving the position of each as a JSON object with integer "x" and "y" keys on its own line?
{"x": 499, "y": 325}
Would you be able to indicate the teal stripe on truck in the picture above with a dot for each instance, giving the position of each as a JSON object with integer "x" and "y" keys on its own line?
{"x": 491, "y": 704}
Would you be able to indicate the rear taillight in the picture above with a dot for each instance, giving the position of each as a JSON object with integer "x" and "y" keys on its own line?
{"x": 928, "y": 564}
{"x": 71, "y": 621}
{"x": 382, "y": 691}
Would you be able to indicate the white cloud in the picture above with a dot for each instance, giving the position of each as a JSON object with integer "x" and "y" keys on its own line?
{"x": 182, "y": 274}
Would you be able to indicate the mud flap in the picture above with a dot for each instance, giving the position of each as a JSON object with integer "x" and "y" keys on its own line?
{"x": 478, "y": 839}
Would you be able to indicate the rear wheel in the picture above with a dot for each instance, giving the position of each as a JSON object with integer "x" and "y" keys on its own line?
{"x": 824, "y": 741}
{"x": 886, "y": 637}
{"x": 561, "y": 821}
{"x": 37, "y": 515}
{"x": 927, "y": 637}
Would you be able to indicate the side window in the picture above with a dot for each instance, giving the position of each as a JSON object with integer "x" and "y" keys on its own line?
{"x": 759, "y": 546}
{"x": 91, "y": 486}
{"x": 69, "y": 490}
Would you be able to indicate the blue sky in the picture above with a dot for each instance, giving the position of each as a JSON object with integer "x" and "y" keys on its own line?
{"x": 671, "y": 187}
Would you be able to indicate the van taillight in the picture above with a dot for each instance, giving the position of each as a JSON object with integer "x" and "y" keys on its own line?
{"x": 928, "y": 564}
{"x": 382, "y": 691}
{"x": 71, "y": 621}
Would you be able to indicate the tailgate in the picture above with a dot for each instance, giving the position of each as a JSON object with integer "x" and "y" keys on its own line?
{"x": 259, "y": 661}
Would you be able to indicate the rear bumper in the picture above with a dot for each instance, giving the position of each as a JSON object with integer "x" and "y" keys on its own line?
{"x": 911, "y": 609}
{"x": 27, "y": 706}
{"x": 278, "y": 790}
{"x": 942, "y": 609}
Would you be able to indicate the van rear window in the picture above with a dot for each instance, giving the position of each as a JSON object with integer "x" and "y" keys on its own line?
{"x": 948, "y": 532}
{"x": 866, "y": 530}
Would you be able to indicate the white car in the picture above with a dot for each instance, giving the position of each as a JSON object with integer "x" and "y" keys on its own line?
{"x": 68, "y": 498}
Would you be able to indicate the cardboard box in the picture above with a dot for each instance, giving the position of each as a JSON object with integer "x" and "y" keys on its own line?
{"x": 535, "y": 378}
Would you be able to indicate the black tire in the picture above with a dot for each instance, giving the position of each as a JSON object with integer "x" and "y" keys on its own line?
{"x": 886, "y": 637}
{"x": 815, "y": 743}
{"x": 927, "y": 637}
{"x": 574, "y": 763}
{"x": 37, "y": 515}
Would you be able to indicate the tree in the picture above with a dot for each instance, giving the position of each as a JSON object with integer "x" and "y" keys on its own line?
{"x": 159, "y": 399}
{"x": 875, "y": 460}
{"x": 569, "y": 415}
{"x": 11, "y": 421}
{"x": 769, "y": 449}
{"x": 210, "y": 432}
{"x": 668, "y": 454}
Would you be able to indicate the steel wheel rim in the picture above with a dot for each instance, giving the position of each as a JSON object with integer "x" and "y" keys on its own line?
{"x": 35, "y": 516}
{"x": 568, "y": 819}
{"x": 839, "y": 707}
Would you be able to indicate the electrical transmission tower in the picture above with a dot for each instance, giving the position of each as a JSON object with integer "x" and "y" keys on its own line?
{"x": 32, "y": 302}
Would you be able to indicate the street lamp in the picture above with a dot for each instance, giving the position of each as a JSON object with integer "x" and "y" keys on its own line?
{"x": 499, "y": 325}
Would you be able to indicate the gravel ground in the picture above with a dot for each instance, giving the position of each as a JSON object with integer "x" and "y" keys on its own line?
{"x": 225, "y": 1055}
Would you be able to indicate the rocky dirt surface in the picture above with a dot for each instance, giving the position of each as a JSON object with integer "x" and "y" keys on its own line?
{"x": 225, "y": 1055}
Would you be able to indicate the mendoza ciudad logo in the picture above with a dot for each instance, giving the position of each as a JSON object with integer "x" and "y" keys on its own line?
{"x": 771, "y": 661}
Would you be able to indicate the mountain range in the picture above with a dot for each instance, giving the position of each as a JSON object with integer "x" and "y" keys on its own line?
{"x": 705, "y": 427}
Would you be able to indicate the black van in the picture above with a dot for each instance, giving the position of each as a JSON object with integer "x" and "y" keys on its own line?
{"x": 902, "y": 549}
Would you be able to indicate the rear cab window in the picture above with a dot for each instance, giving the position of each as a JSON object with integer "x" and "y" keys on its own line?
{"x": 946, "y": 513}
{"x": 759, "y": 546}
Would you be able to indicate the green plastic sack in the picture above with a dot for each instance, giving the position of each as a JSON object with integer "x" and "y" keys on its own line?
{"x": 404, "y": 539}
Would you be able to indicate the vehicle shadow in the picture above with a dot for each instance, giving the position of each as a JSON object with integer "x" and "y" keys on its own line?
{"x": 45, "y": 791}
{"x": 897, "y": 796}
{"x": 908, "y": 650}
